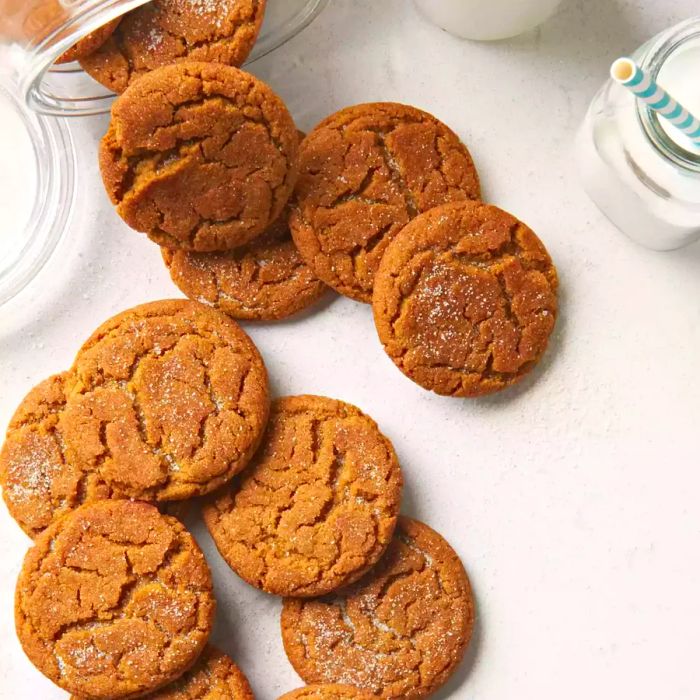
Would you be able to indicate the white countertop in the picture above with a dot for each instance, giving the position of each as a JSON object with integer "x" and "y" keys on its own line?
{"x": 572, "y": 499}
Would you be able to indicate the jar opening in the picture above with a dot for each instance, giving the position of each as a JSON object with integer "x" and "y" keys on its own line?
{"x": 685, "y": 36}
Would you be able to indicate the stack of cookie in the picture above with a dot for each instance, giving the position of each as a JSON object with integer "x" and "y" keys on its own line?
{"x": 211, "y": 186}
{"x": 169, "y": 401}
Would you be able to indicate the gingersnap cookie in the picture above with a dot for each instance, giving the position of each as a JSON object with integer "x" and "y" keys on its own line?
{"x": 328, "y": 692}
{"x": 89, "y": 43}
{"x": 465, "y": 299}
{"x": 264, "y": 280}
{"x": 364, "y": 173}
{"x": 199, "y": 156}
{"x": 213, "y": 677}
{"x": 114, "y": 600}
{"x": 400, "y": 632}
{"x": 169, "y": 401}
{"x": 163, "y": 32}
{"x": 38, "y": 483}
{"x": 318, "y": 504}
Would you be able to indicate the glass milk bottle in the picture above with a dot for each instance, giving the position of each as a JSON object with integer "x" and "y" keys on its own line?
{"x": 641, "y": 171}
{"x": 487, "y": 20}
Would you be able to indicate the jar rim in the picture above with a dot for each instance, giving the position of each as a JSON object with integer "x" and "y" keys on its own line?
{"x": 53, "y": 196}
{"x": 653, "y": 61}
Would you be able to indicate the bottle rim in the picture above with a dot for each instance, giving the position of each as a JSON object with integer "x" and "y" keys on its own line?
{"x": 654, "y": 59}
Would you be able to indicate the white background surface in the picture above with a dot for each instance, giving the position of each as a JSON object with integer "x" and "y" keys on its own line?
{"x": 571, "y": 499}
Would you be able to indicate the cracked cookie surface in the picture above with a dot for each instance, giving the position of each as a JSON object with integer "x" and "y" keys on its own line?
{"x": 263, "y": 280}
{"x": 89, "y": 43}
{"x": 114, "y": 600}
{"x": 399, "y": 632}
{"x": 364, "y": 173}
{"x": 318, "y": 504}
{"x": 199, "y": 156}
{"x": 465, "y": 299}
{"x": 328, "y": 692}
{"x": 168, "y": 401}
{"x": 213, "y": 677}
{"x": 163, "y": 32}
{"x": 39, "y": 484}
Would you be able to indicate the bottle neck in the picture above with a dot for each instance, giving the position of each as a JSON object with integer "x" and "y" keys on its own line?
{"x": 658, "y": 54}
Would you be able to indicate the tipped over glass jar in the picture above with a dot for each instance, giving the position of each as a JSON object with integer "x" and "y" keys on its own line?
{"x": 35, "y": 33}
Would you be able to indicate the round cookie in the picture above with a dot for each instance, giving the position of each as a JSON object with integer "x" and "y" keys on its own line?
{"x": 264, "y": 280}
{"x": 199, "y": 156}
{"x": 364, "y": 173}
{"x": 465, "y": 299}
{"x": 399, "y": 632}
{"x": 163, "y": 32}
{"x": 328, "y": 692}
{"x": 89, "y": 43}
{"x": 318, "y": 504}
{"x": 213, "y": 677}
{"x": 169, "y": 401}
{"x": 38, "y": 483}
{"x": 114, "y": 600}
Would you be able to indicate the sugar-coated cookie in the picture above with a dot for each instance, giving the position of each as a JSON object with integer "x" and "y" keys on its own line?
{"x": 163, "y": 32}
{"x": 318, "y": 504}
{"x": 264, "y": 280}
{"x": 169, "y": 400}
{"x": 364, "y": 173}
{"x": 199, "y": 156}
{"x": 114, "y": 600}
{"x": 400, "y": 632}
{"x": 39, "y": 483}
{"x": 465, "y": 299}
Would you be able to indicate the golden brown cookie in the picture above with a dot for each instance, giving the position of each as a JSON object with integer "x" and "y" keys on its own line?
{"x": 328, "y": 692}
{"x": 264, "y": 280}
{"x": 199, "y": 156}
{"x": 399, "y": 632}
{"x": 364, "y": 173}
{"x": 89, "y": 43}
{"x": 317, "y": 506}
{"x": 213, "y": 677}
{"x": 114, "y": 600}
{"x": 163, "y": 32}
{"x": 38, "y": 483}
{"x": 465, "y": 299}
{"x": 169, "y": 400}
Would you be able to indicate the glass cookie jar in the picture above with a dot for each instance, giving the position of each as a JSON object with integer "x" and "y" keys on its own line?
{"x": 34, "y": 33}
{"x": 37, "y": 191}
{"x": 642, "y": 173}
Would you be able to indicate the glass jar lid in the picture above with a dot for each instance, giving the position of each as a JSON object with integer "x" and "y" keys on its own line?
{"x": 37, "y": 189}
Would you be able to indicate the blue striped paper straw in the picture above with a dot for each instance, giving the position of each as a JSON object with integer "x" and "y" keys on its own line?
{"x": 626, "y": 72}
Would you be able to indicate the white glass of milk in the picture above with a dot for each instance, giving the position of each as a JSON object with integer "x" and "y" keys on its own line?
{"x": 487, "y": 20}
{"x": 639, "y": 169}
